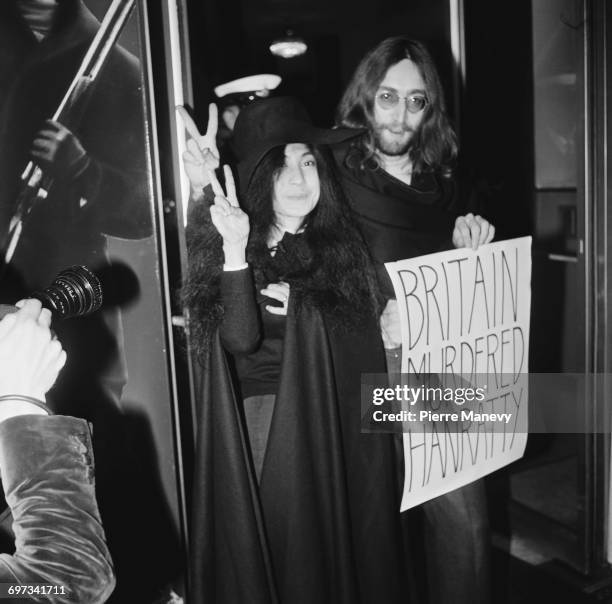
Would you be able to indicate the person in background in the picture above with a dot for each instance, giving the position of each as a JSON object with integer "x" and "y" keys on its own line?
{"x": 399, "y": 175}
{"x": 235, "y": 95}
{"x": 215, "y": 146}
{"x": 47, "y": 469}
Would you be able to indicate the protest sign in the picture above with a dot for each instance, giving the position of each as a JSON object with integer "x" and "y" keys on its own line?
{"x": 465, "y": 342}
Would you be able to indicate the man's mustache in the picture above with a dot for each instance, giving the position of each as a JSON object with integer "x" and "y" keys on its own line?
{"x": 398, "y": 130}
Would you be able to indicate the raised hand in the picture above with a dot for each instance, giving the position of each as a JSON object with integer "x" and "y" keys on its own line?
{"x": 472, "y": 231}
{"x": 229, "y": 220}
{"x": 202, "y": 155}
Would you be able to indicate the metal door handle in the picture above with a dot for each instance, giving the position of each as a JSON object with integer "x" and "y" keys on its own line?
{"x": 562, "y": 258}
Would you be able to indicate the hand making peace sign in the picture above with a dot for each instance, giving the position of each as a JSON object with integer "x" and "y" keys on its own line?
{"x": 231, "y": 222}
{"x": 202, "y": 155}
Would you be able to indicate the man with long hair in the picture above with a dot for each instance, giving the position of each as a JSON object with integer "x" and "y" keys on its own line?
{"x": 399, "y": 176}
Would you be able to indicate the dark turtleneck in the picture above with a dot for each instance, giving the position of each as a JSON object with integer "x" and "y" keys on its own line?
{"x": 252, "y": 334}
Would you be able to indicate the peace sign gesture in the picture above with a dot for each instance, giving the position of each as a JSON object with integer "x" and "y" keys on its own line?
{"x": 202, "y": 155}
{"x": 231, "y": 222}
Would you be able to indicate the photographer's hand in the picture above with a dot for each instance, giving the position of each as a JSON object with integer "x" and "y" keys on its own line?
{"x": 30, "y": 358}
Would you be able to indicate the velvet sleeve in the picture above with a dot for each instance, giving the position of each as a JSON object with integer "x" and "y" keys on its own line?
{"x": 46, "y": 464}
{"x": 240, "y": 329}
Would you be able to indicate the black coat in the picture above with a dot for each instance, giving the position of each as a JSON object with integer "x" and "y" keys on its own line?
{"x": 398, "y": 221}
{"x": 324, "y": 526}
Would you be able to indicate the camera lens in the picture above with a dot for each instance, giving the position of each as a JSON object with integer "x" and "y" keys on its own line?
{"x": 75, "y": 292}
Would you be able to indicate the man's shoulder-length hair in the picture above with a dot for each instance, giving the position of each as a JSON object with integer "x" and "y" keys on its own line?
{"x": 434, "y": 147}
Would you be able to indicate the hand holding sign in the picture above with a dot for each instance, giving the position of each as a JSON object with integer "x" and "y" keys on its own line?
{"x": 202, "y": 155}
{"x": 390, "y": 326}
{"x": 472, "y": 231}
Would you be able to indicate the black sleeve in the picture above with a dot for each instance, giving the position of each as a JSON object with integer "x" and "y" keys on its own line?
{"x": 240, "y": 329}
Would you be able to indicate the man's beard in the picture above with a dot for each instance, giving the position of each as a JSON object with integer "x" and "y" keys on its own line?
{"x": 386, "y": 142}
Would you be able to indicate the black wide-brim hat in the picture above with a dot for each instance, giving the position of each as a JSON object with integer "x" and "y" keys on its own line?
{"x": 275, "y": 122}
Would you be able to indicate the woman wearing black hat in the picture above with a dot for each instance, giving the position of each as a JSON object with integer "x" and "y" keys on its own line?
{"x": 307, "y": 511}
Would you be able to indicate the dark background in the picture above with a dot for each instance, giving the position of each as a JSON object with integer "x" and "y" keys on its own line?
{"x": 231, "y": 39}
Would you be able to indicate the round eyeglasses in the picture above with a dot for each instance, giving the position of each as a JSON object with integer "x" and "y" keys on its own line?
{"x": 389, "y": 99}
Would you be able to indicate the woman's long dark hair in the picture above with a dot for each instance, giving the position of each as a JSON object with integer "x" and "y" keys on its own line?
{"x": 331, "y": 270}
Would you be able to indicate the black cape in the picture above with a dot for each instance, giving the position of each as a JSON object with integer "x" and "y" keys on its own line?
{"x": 396, "y": 220}
{"x": 324, "y": 525}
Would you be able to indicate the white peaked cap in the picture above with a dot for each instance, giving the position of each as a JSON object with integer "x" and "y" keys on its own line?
{"x": 255, "y": 83}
